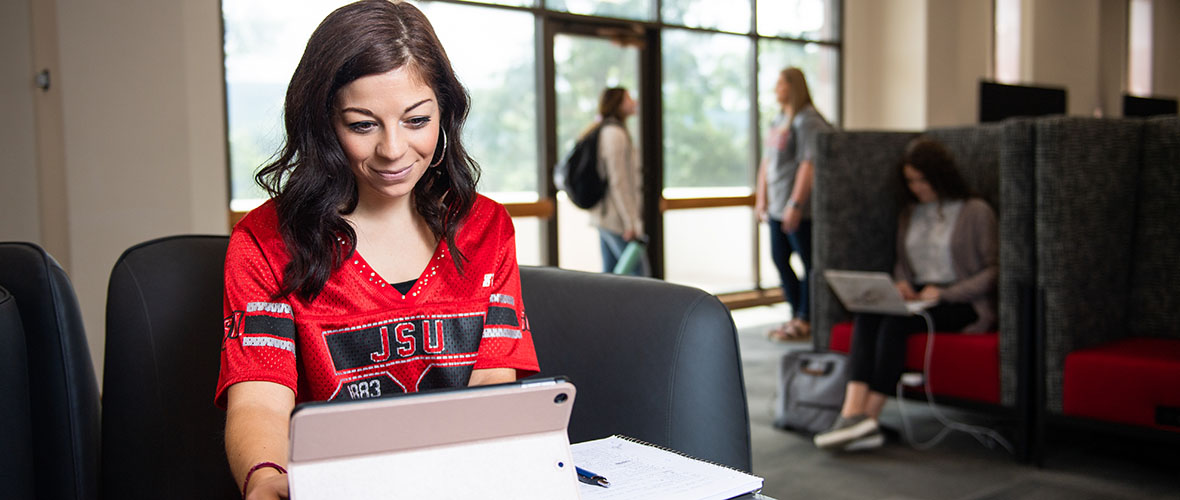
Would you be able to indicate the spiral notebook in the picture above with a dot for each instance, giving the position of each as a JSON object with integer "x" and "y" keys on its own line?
{"x": 637, "y": 469}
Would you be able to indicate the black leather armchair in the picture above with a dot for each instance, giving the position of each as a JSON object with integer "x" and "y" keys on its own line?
{"x": 16, "y": 462}
{"x": 651, "y": 360}
{"x": 62, "y": 386}
{"x": 162, "y": 435}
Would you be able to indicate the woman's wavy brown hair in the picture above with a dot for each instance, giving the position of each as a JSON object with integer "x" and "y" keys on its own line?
{"x": 937, "y": 166}
{"x": 310, "y": 179}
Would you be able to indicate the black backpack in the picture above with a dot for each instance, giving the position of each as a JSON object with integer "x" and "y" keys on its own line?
{"x": 578, "y": 175}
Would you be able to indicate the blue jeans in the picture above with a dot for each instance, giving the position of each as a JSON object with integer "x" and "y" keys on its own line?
{"x": 782, "y": 245}
{"x": 612, "y": 247}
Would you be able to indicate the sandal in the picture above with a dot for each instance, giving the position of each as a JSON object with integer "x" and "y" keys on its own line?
{"x": 799, "y": 330}
{"x": 778, "y": 333}
{"x": 793, "y": 331}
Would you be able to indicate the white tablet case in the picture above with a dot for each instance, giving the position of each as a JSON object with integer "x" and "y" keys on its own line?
{"x": 501, "y": 442}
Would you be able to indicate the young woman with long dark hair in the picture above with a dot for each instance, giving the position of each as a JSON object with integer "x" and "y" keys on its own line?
{"x": 375, "y": 267}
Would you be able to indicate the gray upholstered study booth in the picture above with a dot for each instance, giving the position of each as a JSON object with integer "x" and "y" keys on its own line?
{"x": 1088, "y": 284}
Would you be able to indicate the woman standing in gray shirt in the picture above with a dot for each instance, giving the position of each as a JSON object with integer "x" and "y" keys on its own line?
{"x": 783, "y": 194}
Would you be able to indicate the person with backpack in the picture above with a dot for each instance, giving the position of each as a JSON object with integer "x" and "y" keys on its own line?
{"x": 619, "y": 214}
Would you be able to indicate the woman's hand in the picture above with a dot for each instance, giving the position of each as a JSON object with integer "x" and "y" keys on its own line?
{"x": 267, "y": 484}
{"x": 930, "y": 292}
{"x": 792, "y": 216}
{"x": 760, "y": 193}
{"x": 907, "y": 291}
{"x": 628, "y": 235}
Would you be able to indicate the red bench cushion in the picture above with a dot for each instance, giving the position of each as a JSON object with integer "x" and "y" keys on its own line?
{"x": 963, "y": 365}
{"x": 1123, "y": 381}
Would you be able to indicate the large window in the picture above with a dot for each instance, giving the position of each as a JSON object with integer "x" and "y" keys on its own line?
{"x": 1139, "y": 63}
{"x": 724, "y": 15}
{"x": 501, "y": 129}
{"x": 706, "y": 90}
{"x": 625, "y": 9}
{"x": 264, "y": 40}
{"x": 1007, "y": 42}
{"x": 802, "y": 19}
{"x": 718, "y": 61}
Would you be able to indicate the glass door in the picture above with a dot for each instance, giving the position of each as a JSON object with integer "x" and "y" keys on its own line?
{"x": 585, "y": 62}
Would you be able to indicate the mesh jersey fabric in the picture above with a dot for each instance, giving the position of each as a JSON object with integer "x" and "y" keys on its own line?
{"x": 361, "y": 338}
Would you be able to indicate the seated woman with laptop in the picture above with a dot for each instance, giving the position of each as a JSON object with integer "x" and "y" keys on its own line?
{"x": 947, "y": 253}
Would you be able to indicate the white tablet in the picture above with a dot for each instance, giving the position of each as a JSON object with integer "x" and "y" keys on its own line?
{"x": 505, "y": 441}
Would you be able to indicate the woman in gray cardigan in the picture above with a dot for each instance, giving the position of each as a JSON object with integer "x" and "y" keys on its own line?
{"x": 947, "y": 253}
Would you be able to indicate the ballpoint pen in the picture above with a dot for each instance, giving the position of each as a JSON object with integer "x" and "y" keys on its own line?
{"x": 588, "y": 477}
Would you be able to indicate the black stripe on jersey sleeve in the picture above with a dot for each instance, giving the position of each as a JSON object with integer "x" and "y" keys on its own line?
{"x": 270, "y": 325}
{"x": 501, "y": 316}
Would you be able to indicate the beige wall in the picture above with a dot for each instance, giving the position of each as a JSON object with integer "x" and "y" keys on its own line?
{"x": 1166, "y": 48}
{"x": 1112, "y": 56}
{"x": 18, "y": 166}
{"x": 884, "y": 65}
{"x": 143, "y": 134}
{"x": 959, "y": 47}
{"x": 1062, "y": 49}
{"x": 913, "y": 64}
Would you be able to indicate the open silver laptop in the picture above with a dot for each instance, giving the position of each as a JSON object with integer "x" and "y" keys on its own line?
{"x": 501, "y": 442}
{"x": 871, "y": 292}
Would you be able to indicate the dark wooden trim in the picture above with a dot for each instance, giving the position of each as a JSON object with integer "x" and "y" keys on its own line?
{"x": 541, "y": 208}
{"x": 751, "y": 298}
{"x": 547, "y": 135}
{"x": 651, "y": 80}
{"x": 688, "y": 203}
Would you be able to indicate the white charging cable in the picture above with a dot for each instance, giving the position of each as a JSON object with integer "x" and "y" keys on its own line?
{"x": 981, "y": 434}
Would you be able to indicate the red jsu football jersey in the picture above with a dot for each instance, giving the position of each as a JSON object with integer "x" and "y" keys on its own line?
{"x": 361, "y": 338}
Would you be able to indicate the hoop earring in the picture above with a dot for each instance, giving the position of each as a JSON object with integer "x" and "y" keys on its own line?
{"x": 444, "y": 151}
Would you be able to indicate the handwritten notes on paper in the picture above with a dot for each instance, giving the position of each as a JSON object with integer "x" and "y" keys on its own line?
{"x": 640, "y": 470}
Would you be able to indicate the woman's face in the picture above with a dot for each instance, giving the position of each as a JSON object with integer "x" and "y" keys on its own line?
{"x": 782, "y": 90}
{"x": 629, "y": 105}
{"x": 917, "y": 184}
{"x": 388, "y": 126}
